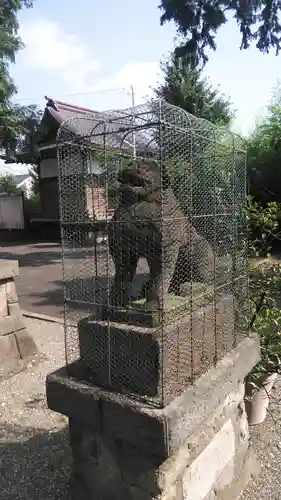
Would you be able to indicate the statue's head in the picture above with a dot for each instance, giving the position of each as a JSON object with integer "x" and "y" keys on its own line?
{"x": 140, "y": 180}
{"x": 147, "y": 172}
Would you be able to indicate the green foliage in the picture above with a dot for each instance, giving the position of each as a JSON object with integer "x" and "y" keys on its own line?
{"x": 10, "y": 43}
{"x": 263, "y": 227}
{"x": 212, "y": 180}
{"x": 185, "y": 87}
{"x": 198, "y": 22}
{"x": 264, "y": 154}
{"x": 265, "y": 288}
{"x": 17, "y": 123}
{"x": 7, "y": 87}
{"x": 19, "y": 127}
{"x": 207, "y": 177}
{"x": 8, "y": 183}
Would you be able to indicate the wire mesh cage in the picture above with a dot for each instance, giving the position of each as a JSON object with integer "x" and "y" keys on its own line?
{"x": 153, "y": 227}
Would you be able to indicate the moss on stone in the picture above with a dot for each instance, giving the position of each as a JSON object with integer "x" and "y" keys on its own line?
{"x": 197, "y": 295}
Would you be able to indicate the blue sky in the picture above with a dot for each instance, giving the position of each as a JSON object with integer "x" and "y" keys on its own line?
{"x": 76, "y": 48}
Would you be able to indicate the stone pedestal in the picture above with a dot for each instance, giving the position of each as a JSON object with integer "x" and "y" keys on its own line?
{"x": 156, "y": 361}
{"x": 16, "y": 345}
{"x": 195, "y": 448}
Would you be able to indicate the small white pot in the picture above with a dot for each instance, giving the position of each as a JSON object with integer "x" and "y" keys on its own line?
{"x": 257, "y": 400}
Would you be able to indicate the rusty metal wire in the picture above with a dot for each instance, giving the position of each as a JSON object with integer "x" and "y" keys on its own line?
{"x": 154, "y": 247}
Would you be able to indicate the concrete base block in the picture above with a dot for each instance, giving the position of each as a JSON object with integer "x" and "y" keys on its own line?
{"x": 3, "y": 300}
{"x": 9, "y": 269}
{"x": 11, "y": 291}
{"x": 156, "y": 362}
{"x": 195, "y": 448}
{"x": 26, "y": 344}
{"x": 17, "y": 349}
{"x": 248, "y": 469}
{"x": 9, "y": 353}
{"x": 11, "y": 324}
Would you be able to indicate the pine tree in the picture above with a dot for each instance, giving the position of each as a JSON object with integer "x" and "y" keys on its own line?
{"x": 185, "y": 86}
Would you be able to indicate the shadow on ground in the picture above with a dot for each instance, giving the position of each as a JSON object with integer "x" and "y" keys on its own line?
{"x": 42, "y": 255}
{"x": 34, "y": 463}
{"x": 32, "y": 259}
{"x": 83, "y": 294}
{"x": 40, "y": 282}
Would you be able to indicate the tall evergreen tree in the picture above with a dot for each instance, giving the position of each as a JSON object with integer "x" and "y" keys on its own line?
{"x": 185, "y": 86}
{"x": 198, "y": 22}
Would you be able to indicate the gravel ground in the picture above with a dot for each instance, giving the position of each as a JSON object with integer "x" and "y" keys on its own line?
{"x": 35, "y": 458}
{"x": 266, "y": 443}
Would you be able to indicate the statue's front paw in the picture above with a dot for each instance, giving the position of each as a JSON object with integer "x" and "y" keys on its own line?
{"x": 153, "y": 305}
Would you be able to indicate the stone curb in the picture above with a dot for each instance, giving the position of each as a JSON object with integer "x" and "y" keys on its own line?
{"x": 42, "y": 317}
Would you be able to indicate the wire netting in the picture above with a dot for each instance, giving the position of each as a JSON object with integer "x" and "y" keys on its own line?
{"x": 153, "y": 227}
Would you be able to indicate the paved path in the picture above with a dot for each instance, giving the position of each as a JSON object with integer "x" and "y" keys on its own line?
{"x": 39, "y": 285}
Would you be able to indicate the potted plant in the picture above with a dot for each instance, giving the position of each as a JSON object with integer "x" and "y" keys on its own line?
{"x": 266, "y": 320}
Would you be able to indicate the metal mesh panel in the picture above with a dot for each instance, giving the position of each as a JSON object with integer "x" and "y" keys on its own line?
{"x": 154, "y": 248}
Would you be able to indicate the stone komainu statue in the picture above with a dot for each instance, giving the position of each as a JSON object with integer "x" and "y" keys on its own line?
{"x": 149, "y": 223}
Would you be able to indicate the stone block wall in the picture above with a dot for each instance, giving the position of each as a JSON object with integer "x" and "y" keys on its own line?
{"x": 16, "y": 345}
{"x": 196, "y": 448}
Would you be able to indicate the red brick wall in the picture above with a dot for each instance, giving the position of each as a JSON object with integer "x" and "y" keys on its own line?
{"x": 96, "y": 202}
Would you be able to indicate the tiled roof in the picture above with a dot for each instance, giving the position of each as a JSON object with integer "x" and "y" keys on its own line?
{"x": 91, "y": 124}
